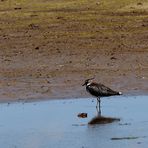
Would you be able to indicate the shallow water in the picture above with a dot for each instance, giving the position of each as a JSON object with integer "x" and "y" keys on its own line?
{"x": 54, "y": 124}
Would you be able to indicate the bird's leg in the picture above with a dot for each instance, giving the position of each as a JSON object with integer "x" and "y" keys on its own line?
{"x": 98, "y": 102}
{"x": 98, "y": 112}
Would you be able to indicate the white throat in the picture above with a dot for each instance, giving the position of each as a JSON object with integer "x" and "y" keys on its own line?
{"x": 88, "y": 83}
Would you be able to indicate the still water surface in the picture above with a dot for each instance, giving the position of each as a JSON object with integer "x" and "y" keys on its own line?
{"x": 54, "y": 124}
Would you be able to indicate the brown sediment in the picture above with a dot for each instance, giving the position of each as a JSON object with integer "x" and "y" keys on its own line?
{"x": 48, "y": 51}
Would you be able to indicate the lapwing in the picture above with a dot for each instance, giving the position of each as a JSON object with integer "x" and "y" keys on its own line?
{"x": 99, "y": 90}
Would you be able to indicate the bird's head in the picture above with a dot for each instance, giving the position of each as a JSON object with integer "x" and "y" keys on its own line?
{"x": 87, "y": 81}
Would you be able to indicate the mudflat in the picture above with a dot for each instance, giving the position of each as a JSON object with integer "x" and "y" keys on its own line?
{"x": 48, "y": 48}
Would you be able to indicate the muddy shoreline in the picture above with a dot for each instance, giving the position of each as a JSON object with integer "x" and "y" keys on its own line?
{"x": 50, "y": 55}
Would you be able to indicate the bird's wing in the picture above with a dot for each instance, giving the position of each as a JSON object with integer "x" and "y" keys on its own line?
{"x": 106, "y": 91}
{"x": 93, "y": 89}
{"x": 100, "y": 90}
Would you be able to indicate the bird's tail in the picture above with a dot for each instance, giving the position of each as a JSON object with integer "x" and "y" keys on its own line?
{"x": 120, "y": 93}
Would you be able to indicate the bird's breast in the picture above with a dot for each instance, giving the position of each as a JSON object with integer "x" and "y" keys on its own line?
{"x": 92, "y": 91}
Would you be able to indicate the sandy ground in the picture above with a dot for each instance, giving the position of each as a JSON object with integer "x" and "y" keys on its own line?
{"x": 48, "y": 48}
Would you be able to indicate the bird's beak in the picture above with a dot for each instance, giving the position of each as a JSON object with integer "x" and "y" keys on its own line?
{"x": 83, "y": 84}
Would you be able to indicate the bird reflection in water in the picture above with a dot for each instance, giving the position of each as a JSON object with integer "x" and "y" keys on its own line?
{"x": 99, "y": 119}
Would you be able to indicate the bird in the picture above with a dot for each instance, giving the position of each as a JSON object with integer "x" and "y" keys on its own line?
{"x": 99, "y": 90}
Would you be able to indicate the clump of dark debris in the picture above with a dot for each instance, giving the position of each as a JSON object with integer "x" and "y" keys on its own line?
{"x": 82, "y": 115}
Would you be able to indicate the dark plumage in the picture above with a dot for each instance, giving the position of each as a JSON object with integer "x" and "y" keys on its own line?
{"x": 99, "y": 90}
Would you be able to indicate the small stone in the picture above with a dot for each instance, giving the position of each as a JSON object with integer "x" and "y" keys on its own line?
{"x": 113, "y": 58}
{"x": 98, "y": 3}
{"x": 36, "y": 48}
{"x": 82, "y": 115}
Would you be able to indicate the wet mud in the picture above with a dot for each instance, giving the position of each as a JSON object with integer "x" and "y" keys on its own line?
{"x": 48, "y": 49}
